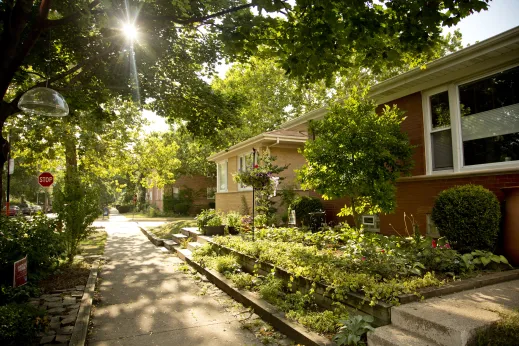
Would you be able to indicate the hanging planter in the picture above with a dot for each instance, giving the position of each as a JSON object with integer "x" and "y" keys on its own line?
{"x": 257, "y": 178}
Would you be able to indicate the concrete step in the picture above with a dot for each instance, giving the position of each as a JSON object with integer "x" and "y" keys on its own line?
{"x": 394, "y": 336}
{"x": 447, "y": 322}
{"x": 192, "y": 232}
{"x": 202, "y": 239}
{"x": 193, "y": 245}
{"x": 170, "y": 244}
{"x": 179, "y": 237}
{"x": 183, "y": 253}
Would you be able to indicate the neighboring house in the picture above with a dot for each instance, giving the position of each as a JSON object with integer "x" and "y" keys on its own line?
{"x": 203, "y": 189}
{"x": 462, "y": 117}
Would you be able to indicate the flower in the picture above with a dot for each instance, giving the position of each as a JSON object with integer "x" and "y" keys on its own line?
{"x": 363, "y": 258}
{"x": 433, "y": 243}
{"x": 447, "y": 246}
{"x": 256, "y": 166}
{"x": 382, "y": 250}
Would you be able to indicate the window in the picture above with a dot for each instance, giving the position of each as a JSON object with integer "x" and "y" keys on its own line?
{"x": 175, "y": 192}
{"x": 474, "y": 123}
{"x": 441, "y": 139}
{"x": 245, "y": 164}
{"x": 489, "y": 109}
{"x": 222, "y": 176}
{"x": 371, "y": 223}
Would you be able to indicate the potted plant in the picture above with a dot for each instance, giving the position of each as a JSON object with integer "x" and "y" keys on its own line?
{"x": 210, "y": 222}
{"x": 233, "y": 222}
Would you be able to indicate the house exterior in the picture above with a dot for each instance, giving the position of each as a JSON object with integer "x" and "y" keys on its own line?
{"x": 203, "y": 189}
{"x": 462, "y": 116}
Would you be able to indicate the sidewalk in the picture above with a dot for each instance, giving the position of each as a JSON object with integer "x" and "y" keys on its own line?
{"x": 146, "y": 301}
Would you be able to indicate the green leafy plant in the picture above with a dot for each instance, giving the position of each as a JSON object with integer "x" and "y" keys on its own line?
{"x": 353, "y": 330}
{"x": 359, "y": 153}
{"x": 233, "y": 219}
{"x": 242, "y": 280}
{"x": 19, "y": 324}
{"x": 260, "y": 220}
{"x": 504, "y": 332}
{"x": 226, "y": 264}
{"x": 77, "y": 206}
{"x": 205, "y": 218}
{"x": 483, "y": 259}
{"x": 38, "y": 238}
{"x": 468, "y": 216}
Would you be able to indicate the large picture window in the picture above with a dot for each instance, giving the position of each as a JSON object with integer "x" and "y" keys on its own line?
{"x": 475, "y": 124}
{"x": 489, "y": 110}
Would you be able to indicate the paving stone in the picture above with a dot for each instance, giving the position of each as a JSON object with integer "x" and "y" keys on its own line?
{"x": 58, "y": 291}
{"x": 80, "y": 288}
{"x": 63, "y": 338}
{"x": 75, "y": 306}
{"x": 68, "y": 321}
{"x": 47, "y": 339}
{"x": 35, "y": 302}
{"x": 66, "y": 330}
{"x": 52, "y": 299}
{"x": 78, "y": 294}
{"x": 55, "y": 305}
{"x": 72, "y": 312}
{"x": 69, "y": 301}
{"x": 54, "y": 319}
{"x": 56, "y": 311}
{"x": 55, "y": 325}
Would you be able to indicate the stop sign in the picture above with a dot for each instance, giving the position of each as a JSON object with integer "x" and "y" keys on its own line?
{"x": 45, "y": 179}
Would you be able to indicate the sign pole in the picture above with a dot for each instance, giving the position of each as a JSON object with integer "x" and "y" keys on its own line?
{"x": 8, "y": 176}
{"x": 253, "y": 188}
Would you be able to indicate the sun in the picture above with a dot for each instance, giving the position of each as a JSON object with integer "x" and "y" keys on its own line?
{"x": 130, "y": 31}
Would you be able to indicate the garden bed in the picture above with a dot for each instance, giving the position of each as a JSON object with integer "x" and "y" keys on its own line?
{"x": 369, "y": 274}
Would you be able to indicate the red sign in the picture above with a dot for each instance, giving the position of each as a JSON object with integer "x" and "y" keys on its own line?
{"x": 20, "y": 272}
{"x": 45, "y": 179}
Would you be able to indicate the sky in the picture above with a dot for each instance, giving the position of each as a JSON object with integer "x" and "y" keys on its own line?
{"x": 501, "y": 16}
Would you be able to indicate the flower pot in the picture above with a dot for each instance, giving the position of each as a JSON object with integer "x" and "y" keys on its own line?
{"x": 511, "y": 224}
{"x": 233, "y": 230}
{"x": 213, "y": 230}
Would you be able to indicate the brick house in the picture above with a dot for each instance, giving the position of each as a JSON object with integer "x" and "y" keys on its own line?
{"x": 203, "y": 189}
{"x": 462, "y": 117}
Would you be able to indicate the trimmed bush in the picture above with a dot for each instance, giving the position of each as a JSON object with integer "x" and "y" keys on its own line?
{"x": 303, "y": 205}
{"x": 19, "y": 324}
{"x": 468, "y": 216}
{"x": 124, "y": 208}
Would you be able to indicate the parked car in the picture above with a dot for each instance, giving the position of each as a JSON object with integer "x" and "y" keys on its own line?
{"x": 14, "y": 210}
{"x": 26, "y": 209}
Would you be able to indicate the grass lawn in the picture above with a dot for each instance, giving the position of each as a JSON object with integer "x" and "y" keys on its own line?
{"x": 173, "y": 227}
{"x": 94, "y": 244}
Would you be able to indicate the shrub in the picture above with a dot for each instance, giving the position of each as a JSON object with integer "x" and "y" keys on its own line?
{"x": 123, "y": 209}
{"x": 468, "y": 216}
{"x": 226, "y": 264}
{"x": 19, "y": 324}
{"x": 182, "y": 208}
{"x": 233, "y": 219}
{"x": 260, "y": 220}
{"x": 304, "y": 205}
{"x": 203, "y": 218}
{"x": 37, "y": 238}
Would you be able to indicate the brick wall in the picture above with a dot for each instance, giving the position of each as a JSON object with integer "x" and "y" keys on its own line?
{"x": 413, "y": 126}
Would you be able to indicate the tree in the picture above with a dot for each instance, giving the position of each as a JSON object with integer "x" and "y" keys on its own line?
{"x": 358, "y": 154}
{"x": 74, "y": 44}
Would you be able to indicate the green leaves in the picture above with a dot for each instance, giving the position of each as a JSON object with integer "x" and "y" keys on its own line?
{"x": 359, "y": 154}
{"x": 353, "y": 330}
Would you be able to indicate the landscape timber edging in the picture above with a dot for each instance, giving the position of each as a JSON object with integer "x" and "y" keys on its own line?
{"x": 381, "y": 311}
{"x": 79, "y": 334}
{"x": 265, "y": 310}
{"x": 152, "y": 237}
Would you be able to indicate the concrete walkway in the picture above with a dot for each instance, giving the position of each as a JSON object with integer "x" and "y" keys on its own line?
{"x": 146, "y": 301}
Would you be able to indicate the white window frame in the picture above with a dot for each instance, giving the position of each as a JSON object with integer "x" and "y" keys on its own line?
{"x": 457, "y": 139}
{"x": 218, "y": 176}
{"x": 238, "y": 166}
